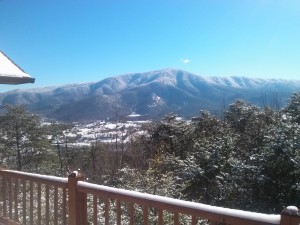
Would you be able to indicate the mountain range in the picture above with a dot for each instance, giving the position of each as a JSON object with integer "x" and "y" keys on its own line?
{"x": 151, "y": 95}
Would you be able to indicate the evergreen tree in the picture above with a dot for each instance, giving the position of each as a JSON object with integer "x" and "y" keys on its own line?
{"x": 293, "y": 108}
{"x": 209, "y": 159}
{"x": 171, "y": 135}
{"x": 23, "y": 138}
{"x": 280, "y": 162}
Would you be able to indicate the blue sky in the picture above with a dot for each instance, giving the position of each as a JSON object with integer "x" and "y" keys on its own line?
{"x": 73, "y": 41}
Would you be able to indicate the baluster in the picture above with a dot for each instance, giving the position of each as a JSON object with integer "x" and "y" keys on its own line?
{"x": 131, "y": 207}
{"x": 47, "y": 204}
{"x": 160, "y": 217}
{"x": 39, "y": 210}
{"x": 146, "y": 215}
{"x": 119, "y": 212}
{"x": 95, "y": 210}
{"x": 31, "y": 202}
{"x": 16, "y": 199}
{"x": 194, "y": 220}
{"x": 24, "y": 201}
{"x": 64, "y": 206}
{"x": 10, "y": 198}
{"x": 4, "y": 196}
{"x": 55, "y": 205}
{"x": 176, "y": 218}
{"x": 106, "y": 211}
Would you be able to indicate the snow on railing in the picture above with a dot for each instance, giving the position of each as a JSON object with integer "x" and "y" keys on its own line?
{"x": 39, "y": 199}
{"x": 178, "y": 206}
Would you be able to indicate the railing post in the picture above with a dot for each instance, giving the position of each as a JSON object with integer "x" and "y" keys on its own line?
{"x": 77, "y": 201}
{"x": 290, "y": 216}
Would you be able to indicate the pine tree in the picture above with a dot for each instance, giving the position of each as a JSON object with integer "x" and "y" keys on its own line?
{"x": 24, "y": 139}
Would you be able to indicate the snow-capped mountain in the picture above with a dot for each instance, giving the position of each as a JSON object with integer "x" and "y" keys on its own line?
{"x": 151, "y": 94}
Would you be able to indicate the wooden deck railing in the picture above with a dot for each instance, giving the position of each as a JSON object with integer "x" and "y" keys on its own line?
{"x": 27, "y": 198}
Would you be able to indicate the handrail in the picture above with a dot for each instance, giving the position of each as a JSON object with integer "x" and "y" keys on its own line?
{"x": 29, "y": 198}
{"x": 44, "y": 179}
{"x": 179, "y": 206}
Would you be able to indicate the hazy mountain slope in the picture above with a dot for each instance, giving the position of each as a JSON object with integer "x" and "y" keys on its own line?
{"x": 152, "y": 94}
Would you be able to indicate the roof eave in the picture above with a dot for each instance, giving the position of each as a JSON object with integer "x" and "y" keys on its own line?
{"x": 16, "y": 80}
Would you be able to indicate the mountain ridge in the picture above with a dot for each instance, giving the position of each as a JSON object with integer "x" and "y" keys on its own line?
{"x": 151, "y": 94}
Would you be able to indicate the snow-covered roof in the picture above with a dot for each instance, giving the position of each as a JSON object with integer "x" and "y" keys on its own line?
{"x": 10, "y": 73}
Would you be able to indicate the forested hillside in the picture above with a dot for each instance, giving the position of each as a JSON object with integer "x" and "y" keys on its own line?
{"x": 247, "y": 159}
{"x": 151, "y": 95}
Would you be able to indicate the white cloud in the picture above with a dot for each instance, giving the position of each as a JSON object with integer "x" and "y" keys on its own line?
{"x": 185, "y": 61}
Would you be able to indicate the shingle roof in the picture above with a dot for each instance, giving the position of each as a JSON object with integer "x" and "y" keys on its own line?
{"x": 11, "y": 73}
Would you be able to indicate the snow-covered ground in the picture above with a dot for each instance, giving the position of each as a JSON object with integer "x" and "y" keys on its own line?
{"x": 105, "y": 132}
